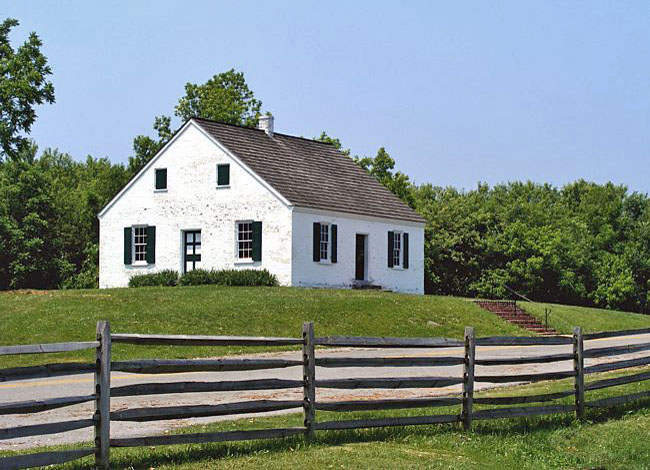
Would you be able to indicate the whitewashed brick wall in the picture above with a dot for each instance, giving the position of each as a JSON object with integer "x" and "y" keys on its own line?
{"x": 193, "y": 201}
{"x": 307, "y": 272}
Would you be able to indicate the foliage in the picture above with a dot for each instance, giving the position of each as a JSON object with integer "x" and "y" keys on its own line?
{"x": 88, "y": 276}
{"x": 166, "y": 278}
{"x": 581, "y": 244}
{"x": 381, "y": 167}
{"x": 145, "y": 147}
{"x": 49, "y": 231}
{"x": 229, "y": 277}
{"x": 23, "y": 85}
{"x": 226, "y": 98}
{"x": 334, "y": 141}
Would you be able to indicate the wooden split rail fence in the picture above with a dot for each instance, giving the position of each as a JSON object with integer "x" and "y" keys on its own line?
{"x": 102, "y": 417}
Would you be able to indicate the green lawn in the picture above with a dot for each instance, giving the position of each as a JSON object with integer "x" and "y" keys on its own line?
{"x": 564, "y": 317}
{"x": 28, "y": 317}
{"x": 54, "y": 316}
{"x": 608, "y": 439}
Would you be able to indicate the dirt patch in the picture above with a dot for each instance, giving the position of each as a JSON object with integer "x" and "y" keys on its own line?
{"x": 27, "y": 292}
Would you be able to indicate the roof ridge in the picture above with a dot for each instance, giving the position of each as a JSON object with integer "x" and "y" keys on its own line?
{"x": 212, "y": 121}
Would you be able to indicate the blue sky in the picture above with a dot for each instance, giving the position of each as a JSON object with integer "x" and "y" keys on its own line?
{"x": 457, "y": 92}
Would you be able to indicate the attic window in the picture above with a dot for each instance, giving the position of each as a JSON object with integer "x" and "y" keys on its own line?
{"x": 161, "y": 179}
{"x": 223, "y": 175}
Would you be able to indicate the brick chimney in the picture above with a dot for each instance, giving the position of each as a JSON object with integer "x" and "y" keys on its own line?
{"x": 265, "y": 123}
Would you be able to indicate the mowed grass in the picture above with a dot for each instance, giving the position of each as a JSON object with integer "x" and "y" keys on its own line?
{"x": 30, "y": 317}
{"x": 615, "y": 438}
{"x": 565, "y": 317}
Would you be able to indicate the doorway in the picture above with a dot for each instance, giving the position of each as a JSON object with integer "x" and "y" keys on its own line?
{"x": 192, "y": 250}
{"x": 360, "y": 257}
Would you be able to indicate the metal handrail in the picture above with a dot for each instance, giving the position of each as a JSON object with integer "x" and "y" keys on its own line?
{"x": 547, "y": 311}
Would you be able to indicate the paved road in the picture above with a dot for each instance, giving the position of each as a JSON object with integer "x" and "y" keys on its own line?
{"x": 83, "y": 384}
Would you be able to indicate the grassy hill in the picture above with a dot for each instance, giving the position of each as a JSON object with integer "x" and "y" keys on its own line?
{"x": 564, "y": 317}
{"x": 28, "y": 317}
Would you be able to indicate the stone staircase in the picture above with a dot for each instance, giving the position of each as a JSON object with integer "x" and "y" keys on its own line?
{"x": 510, "y": 311}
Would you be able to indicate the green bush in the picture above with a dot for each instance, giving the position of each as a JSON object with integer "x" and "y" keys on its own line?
{"x": 198, "y": 277}
{"x": 229, "y": 277}
{"x": 167, "y": 277}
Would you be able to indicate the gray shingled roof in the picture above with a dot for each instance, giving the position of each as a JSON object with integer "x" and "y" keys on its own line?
{"x": 309, "y": 173}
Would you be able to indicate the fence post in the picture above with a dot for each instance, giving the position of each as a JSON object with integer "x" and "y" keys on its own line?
{"x": 468, "y": 377}
{"x": 309, "y": 377}
{"x": 579, "y": 368}
{"x": 103, "y": 400}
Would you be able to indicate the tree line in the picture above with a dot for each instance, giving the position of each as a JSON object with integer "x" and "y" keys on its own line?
{"x": 583, "y": 243}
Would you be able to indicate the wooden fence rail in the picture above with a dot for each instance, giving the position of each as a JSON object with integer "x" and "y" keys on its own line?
{"x": 461, "y": 353}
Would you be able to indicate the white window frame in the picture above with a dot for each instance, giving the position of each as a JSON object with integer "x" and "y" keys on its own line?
{"x": 155, "y": 171}
{"x": 239, "y": 259}
{"x": 328, "y": 243}
{"x": 134, "y": 244}
{"x": 398, "y": 246}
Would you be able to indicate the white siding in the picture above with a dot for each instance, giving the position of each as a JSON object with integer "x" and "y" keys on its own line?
{"x": 306, "y": 272}
{"x": 193, "y": 201}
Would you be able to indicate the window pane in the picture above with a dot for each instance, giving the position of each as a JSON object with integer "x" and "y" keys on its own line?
{"x": 197, "y": 237}
{"x": 189, "y": 237}
{"x": 244, "y": 240}
{"x": 139, "y": 244}
{"x": 324, "y": 240}
{"x": 397, "y": 245}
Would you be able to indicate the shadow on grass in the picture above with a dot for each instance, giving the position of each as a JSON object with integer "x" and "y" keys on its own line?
{"x": 148, "y": 457}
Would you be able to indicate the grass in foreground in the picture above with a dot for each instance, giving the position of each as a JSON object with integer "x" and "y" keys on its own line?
{"x": 611, "y": 439}
{"x": 28, "y": 317}
{"x": 57, "y": 316}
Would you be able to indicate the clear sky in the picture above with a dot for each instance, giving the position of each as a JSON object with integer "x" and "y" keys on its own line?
{"x": 457, "y": 92}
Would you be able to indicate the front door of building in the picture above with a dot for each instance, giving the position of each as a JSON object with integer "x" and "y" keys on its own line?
{"x": 360, "y": 258}
{"x": 192, "y": 251}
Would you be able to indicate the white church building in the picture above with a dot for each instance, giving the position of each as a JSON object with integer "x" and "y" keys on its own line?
{"x": 219, "y": 196}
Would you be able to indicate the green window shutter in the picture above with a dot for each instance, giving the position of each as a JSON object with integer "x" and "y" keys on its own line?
{"x": 391, "y": 243}
{"x": 257, "y": 241}
{"x": 128, "y": 257}
{"x": 405, "y": 248}
{"x": 161, "y": 178}
{"x": 223, "y": 175}
{"x": 316, "y": 242}
{"x": 151, "y": 245}
{"x": 333, "y": 242}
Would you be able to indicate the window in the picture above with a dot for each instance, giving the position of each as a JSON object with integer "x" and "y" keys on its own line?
{"x": 397, "y": 248}
{"x": 161, "y": 179}
{"x": 245, "y": 240}
{"x": 324, "y": 240}
{"x": 140, "y": 244}
{"x": 223, "y": 175}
